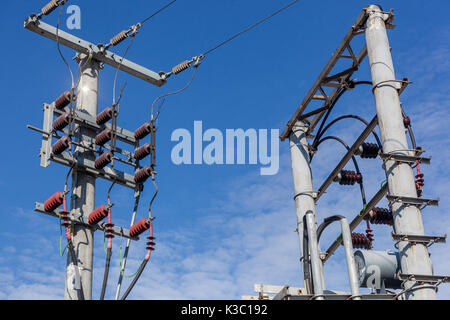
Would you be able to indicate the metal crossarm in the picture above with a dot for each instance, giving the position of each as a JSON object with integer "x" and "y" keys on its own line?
{"x": 410, "y": 201}
{"x": 423, "y": 278}
{"x": 426, "y": 240}
{"x": 88, "y": 48}
{"x": 404, "y": 158}
{"x": 327, "y": 80}
{"x": 80, "y": 219}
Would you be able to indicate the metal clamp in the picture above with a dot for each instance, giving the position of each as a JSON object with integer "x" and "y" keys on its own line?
{"x": 424, "y": 278}
{"x": 408, "y": 201}
{"x": 422, "y": 239}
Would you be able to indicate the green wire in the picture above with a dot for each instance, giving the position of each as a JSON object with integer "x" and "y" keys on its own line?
{"x": 120, "y": 261}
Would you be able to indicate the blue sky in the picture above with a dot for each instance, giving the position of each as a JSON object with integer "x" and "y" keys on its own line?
{"x": 219, "y": 229}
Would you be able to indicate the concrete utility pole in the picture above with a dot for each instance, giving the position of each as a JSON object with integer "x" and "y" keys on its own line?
{"x": 304, "y": 202}
{"x": 407, "y": 219}
{"x": 83, "y": 196}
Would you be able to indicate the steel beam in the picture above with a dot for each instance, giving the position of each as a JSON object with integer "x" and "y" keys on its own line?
{"x": 88, "y": 48}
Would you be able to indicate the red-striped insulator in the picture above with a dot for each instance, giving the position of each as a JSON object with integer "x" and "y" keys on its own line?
{"x": 360, "y": 241}
{"x": 420, "y": 182}
{"x": 143, "y": 131}
{"x": 104, "y": 116}
{"x": 151, "y": 243}
{"x": 66, "y": 223}
{"x": 103, "y": 137}
{"x": 140, "y": 227}
{"x": 406, "y": 121}
{"x": 381, "y": 216}
{"x": 143, "y": 152}
{"x": 98, "y": 214}
{"x": 108, "y": 230}
{"x": 349, "y": 177}
{"x": 369, "y": 234}
{"x": 103, "y": 160}
{"x": 142, "y": 175}
{"x": 63, "y": 100}
{"x": 61, "y": 145}
{"x": 61, "y": 122}
{"x": 54, "y": 202}
{"x": 369, "y": 150}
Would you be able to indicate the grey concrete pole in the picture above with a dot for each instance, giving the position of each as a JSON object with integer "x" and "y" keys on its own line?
{"x": 350, "y": 258}
{"x": 303, "y": 185}
{"x": 83, "y": 197}
{"x": 407, "y": 220}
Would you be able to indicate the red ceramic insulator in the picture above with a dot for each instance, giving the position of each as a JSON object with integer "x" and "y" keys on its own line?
{"x": 140, "y": 227}
{"x": 54, "y": 202}
{"x": 143, "y": 151}
{"x": 143, "y": 174}
{"x": 61, "y": 145}
{"x": 104, "y": 116}
{"x": 103, "y": 160}
{"x": 350, "y": 177}
{"x": 98, "y": 214}
{"x": 103, "y": 137}
{"x": 61, "y": 122}
{"x": 360, "y": 241}
{"x": 63, "y": 100}
{"x": 109, "y": 229}
{"x": 66, "y": 224}
{"x": 143, "y": 131}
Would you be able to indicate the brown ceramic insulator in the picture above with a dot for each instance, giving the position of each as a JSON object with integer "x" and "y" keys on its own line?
{"x": 143, "y": 152}
{"x": 61, "y": 145}
{"x": 143, "y": 131}
{"x": 140, "y": 227}
{"x": 382, "y": 216}
{"x": 181, "y": 67}
{"x": 103, "y": 137}
{"x": 104, "y": 116}
{"x": 143, "y": 174}
{"x": 360, "y": 241}
{"x": 350, "y": 177}
{"x": 61, "y": 122}
{"x": 406, "y": 121}
{"x": 98, "y": 214}
{"x": 49, "y": 7}
{"x": 369, "y": 150}
{"x": 54, "y": 202}
{"x": 103, "y": 160}
{"x": 119, "y": 38}
{"x": 63, "y": 100}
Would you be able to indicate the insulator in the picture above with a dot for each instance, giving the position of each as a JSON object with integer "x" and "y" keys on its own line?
{"x": 181, "y": 67}
{"x": 142, "y": 175}
{"x": 150, "y": 243}
{"x": 109, "y": 229}
{"x": 143, "y": 151}
{"x": 381, "y": 216}
{"x": 360, "y": 241}
{"x": 140, "y": 227}
{"x": 103, "y": 137}
{"x": 63, "y": 100}
{"x": 349, "y": 177}
{"x": 420, "y": 182}
{"x": 61, "y": 122}
{"x": 54, "y": 202}
{"x": 61, "y": 145}
{"x": 98, "y": 214}
{"x": 406, "y": 121}
{"x": 103, "y": 160}
{"x": 369, "y": 150}
{"x": 66, "y": 223}
{"x": 119, "y": 38}
{"x": 143, "y": 131}
{"x": 104, "y": 116}
{"x": 50, "y": 7}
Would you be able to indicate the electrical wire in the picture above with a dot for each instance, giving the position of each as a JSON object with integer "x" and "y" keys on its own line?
{"x": 250, "y": 27}
{"x": 154, "y": 14}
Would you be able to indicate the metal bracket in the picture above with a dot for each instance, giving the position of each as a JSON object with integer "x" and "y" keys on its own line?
{"x": 77, "y": 217}
{"x": 404, "y": 158}
{"x": 423, "y": 278}
{"x": 422, "y": 239}
{"x": 97, "y": 53}
{"x": 410, "y": 201}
